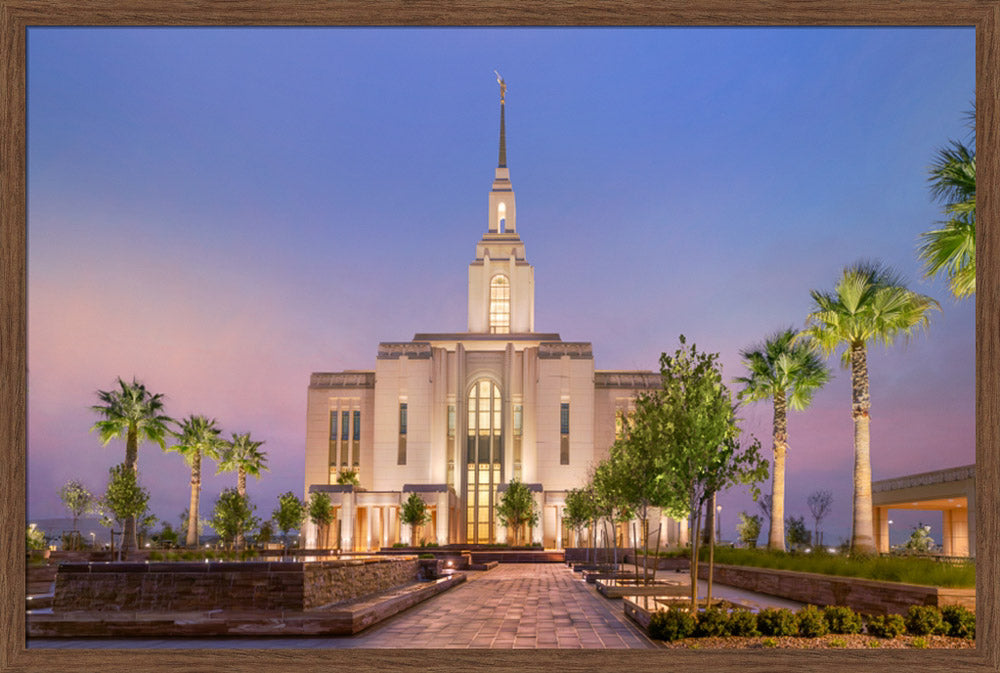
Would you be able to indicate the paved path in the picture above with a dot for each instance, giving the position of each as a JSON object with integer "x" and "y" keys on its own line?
{"x": 530, "y": 605}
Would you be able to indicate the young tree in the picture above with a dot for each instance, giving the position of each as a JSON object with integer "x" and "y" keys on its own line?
{"x": 414, "y": 514}
{"x": 869, "y": 303}
{"x": 125, "y": 499}
{"x": 787, "y": 371}
{"x": 34, "y": 537}
{"x": 695, "y": 422}
{"x": 137, "y": 415}
{"x": 578, "y": 510}
{"x": 797, "y": 533}
{"x": 748, "y": 528}
{"x": 198, "y": 438}
{"x": 166, "y": 537}
{"x": 613, "y": 494}
{"x": 819, "y": 505}
{"x": 289, "y": 514}
{"x": 517, "y": 508}
{"x": 243, "y": 456}
{"x": 321, "y": 514}
{"x": 78, "y": 500}
{"x": 233, "y": 517}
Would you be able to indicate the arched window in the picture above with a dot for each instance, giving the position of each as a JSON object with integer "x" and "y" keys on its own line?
{"x": 501, "y": 217}
{"x": 484, "y": 459}
{"x": 499, "y": 305}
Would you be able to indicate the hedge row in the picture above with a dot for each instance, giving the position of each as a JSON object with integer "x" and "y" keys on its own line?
{"x": 811, "y": 622}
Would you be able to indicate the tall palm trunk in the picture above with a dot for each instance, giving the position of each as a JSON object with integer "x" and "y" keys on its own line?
{"x": 862, "y": 538}
{"x": 129, "y": 536}
{"x": 192, "y": 531}
{"x": 776, "y": 535}
{"x": 241, "y": 488}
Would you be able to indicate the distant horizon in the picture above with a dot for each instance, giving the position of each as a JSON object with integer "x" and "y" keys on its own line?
{"x": 222, "y": 212}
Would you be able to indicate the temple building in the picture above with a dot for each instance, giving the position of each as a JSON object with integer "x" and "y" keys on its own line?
{"x": 455, "y": 416}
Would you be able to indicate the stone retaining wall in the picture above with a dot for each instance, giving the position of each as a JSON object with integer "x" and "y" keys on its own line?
{"x": 177, "y": 587}
{"x": 868, "y": 596}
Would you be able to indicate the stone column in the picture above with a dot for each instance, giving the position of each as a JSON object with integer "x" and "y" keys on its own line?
{"x": 947, "y": 533}
{"x": 384, "y": 509}
{"x": 370, "y": 537}
{"x": 971, "y": 520}
{"x": 348, "y": 515}
{"x": 880, "y": 525}
{"x": 682, "y": 532}
{"x": 442, "y": 518}
{"x": 559, "y": 540}
{"x": 391, "y": 525}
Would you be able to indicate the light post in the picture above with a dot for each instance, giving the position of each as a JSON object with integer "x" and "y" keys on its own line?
{"x": 718, "y": 523}
{"x": 888, "y": 536}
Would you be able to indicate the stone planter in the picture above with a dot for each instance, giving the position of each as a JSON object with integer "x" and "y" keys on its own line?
{"x": 867, "y": 596}
{"x": 620, "y": 588}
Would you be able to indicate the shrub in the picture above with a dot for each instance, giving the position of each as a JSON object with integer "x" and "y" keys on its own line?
{"x": 743, "y": 623}
{"x": 842, "y": 619}
{"x": 922, "y": 620}
{"x": 961, "y": 621}
{"x": 671, "y": 624}
{"x": 425, "y": 555}
{"x": 712, "y": 622}
{"x": 874, "y": 644}
{"x": 920, "y": 643}
{"x": 812, "y": 623}
{"x": 886, "y": 626}
{"x": 777, "y": 622}
{"x": 836, "y": 642}
{"x": 769, "y": 642}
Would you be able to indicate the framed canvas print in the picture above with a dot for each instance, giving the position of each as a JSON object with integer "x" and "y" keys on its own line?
{"x": 356, "y": 337}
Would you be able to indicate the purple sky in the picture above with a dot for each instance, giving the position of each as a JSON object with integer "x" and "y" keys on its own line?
{"x": 220, "y": 212}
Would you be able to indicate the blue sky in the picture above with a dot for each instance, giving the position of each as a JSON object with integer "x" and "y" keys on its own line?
{"x": 220, "y": 212}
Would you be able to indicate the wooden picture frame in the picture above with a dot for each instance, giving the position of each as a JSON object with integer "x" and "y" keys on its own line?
{"x": 17, "y": 15}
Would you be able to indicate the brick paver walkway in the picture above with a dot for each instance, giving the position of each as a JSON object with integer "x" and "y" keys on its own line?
{"x": 530, "y": 605}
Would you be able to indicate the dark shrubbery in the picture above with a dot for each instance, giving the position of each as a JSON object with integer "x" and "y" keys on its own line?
{"x": 842, "y": 619}
{"x": 886, "y": 626}
{"x": 712, "y": 621}
{"x": 812, "y": 623}
{"x": 743, "y": 623}
{"x": 672, "y": 624}
{"x": 923, "y": 620}
{"x": 961, "y": 621}
{"x": 777, "y": 622}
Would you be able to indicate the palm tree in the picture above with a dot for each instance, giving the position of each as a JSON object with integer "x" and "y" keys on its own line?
{"x": 868, "y": 303}
{"x": 242, "y": 455}
{"x": 787, "y": 371}
{"x": 198, "y": 437}
{"x": 131, "y": 411}
{"x": 952, "y": 248}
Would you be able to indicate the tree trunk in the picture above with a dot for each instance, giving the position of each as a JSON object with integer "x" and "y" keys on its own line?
{"x": 129, "y": 539}
{"x": 192, "y": 531}
{"x": 776, "y": 536}
{"x": 711, "y": 551}
{"x": 241, "y": 488}
{"x": 862, "y": 534}
{"x": 696, "y": 525}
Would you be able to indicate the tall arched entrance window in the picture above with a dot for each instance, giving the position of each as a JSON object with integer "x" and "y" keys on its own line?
{"x": 484, "y": 460}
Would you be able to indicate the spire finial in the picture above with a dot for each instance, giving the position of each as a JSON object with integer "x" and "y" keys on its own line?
{"x": 502, "y": 160}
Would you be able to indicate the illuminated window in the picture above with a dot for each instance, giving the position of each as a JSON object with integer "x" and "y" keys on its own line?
{"x": 499, "y": 305}
{"x": 345, "y": 434}
{"x": 501, "y": 217}
{"x": 484, "y": 459}
{"x": 333, "y": 439}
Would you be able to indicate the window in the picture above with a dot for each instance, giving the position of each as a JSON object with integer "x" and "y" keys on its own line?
{"x": 401, "y": 454}
{"x": 564, "y": 433}
{"x": 356, "y": 439}
{"x": 333, "y": 439}
{"x": 499, "y": 305}
{"x": 345, "y": 430}
{"x": 484, "y": 459}
{"x": 451, "y": 421}
{"x": 501, "y": 217}
{"x": 518, "y": 429}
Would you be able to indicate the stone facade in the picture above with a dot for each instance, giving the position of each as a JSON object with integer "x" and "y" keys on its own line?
{"x": 180, "y": 587}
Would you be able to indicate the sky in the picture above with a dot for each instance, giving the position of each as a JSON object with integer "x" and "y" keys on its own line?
{"x": 220, "y": 212}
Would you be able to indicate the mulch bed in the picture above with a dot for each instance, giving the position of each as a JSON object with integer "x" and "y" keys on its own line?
{"x": 832, "y": 641}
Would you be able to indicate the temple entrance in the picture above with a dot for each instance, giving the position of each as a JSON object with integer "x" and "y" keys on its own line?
{"x": 484, "y": 460}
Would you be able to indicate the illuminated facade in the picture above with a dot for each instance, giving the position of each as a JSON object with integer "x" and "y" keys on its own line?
{"x": 455, "y": 416}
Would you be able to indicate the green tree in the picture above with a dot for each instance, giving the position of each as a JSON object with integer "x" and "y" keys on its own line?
{"x": 694, "y": 419}
{"x": 243, "y": 456}
{"x": 414, "y": 514}
{"x": 166, "y": 537}
{"x": 798, "y": 534}
{"x": 289, "y": 515}
{"x": 578, "y": 510}
{"x": 788, "y": 371}
{"x": 951, "y": 248}
{"x": 348, "y": 477}
{"x": 77, "y": 499}
{"x": 198, "y": 438}
{"x": 869, "y": 303}
{"x": 125, "y": 499}
{"x": 920, "y": 540}
{"x": 517, "y": 509}
{"x": 134, "y": 413}
{"x": 613, "y": 496}
{"x": 233, "y": 516}
{"x": 34, "y": 537}
{"x": 748, "y": 528}
{"x": 321, "y": 514}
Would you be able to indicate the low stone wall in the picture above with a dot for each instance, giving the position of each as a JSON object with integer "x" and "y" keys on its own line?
{"x": 868, "y": 596}
{"x": 179, "y": 587}
{"x": 599, "y": 555}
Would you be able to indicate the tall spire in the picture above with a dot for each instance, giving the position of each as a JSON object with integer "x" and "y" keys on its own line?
{"x": 502, "y": 160}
